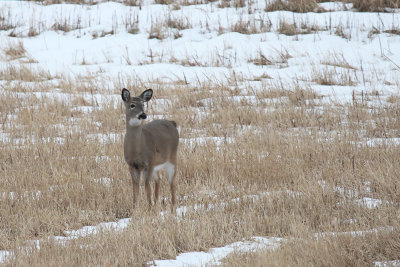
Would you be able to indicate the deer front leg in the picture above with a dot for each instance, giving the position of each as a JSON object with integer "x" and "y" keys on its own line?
{"x": 135, "y": 174}
{"x": 147, "y": 179}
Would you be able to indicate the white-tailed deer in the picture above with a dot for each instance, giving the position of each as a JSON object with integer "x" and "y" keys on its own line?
{"x": 149, "y": 147}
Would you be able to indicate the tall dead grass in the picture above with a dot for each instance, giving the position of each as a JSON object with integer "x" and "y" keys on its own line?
{"x": 341, "y": 250}
{"x": 375, "y": 5}
{"x": 300, "y": 6}
{"x": 56, "y": 151}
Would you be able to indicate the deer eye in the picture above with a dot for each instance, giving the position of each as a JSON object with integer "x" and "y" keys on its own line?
{"x": 132, "y": 105}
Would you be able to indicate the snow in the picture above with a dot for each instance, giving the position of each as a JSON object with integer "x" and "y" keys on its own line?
{"x": 77, "y": 51}
{"x": 382, "y": 141}
{"x": 355, "y": 233}
{"x": 92, "y": 230}
{"x": 34, "y": 195}
{"x": 218, "y": 141}
{"x": 215, "y": 255}
{"x": 106, "y": 181}
{"x": 4, "y": 255}
{"x": 370, "y": 203}
{"x": 392, "y": 263}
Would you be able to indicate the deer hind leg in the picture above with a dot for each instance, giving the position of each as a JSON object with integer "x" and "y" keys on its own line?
{"x": 135, "y": 174}
{"x": 173, "y": 200}
{"x": 157, "y": 186}
{"x": 171, "y": 178}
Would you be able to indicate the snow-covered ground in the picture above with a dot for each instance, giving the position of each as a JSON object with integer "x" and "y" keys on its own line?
{"x": 214, "y": 255}
{"x": 200, "y": 43}
{"x": 94, "y": 39}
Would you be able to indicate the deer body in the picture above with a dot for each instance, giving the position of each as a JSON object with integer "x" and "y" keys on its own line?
{"x": 150, "y": 147}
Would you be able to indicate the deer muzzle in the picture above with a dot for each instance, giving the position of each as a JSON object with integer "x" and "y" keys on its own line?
{"x": 142, "y": 116}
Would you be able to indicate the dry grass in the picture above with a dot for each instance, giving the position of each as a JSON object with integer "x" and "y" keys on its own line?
{"x": 250, "y": 26}
{"x": 295, "y": 28}
{"x": 132, "y": 23}
{"x": 280, "y": 160}
{"x": 55, "y": 2}
{"x": 279, "y": 58}
{"x": 179, "y": 23}
{"x": 15, "y": 50}
{"x": 6, "y": 23}
{"x": 158, "y": 30}
{"x": 300, "y": 6}
{"x": 343, "y": 250}
{"x": 375, "y": 5}
{"x": 64, "y": 25}
{"x": 21, "y": 72}
{"x": 288, "y": 28}
{"x": 132, "y": 2}
{"x": 334, "y": 76}
{"x": 337, "y": 60}
{"x": 275, "y": 140}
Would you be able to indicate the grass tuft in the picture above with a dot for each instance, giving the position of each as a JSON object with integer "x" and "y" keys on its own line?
{"x": 300, "y": 6}
{"x": 375, "y": 5}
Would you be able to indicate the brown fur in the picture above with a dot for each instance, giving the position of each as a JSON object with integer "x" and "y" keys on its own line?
{"x": 148, "y": 145}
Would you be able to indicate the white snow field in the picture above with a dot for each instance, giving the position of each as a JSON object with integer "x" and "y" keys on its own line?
{"x": 208, "y": 48}
{"x": 115, "y": 43}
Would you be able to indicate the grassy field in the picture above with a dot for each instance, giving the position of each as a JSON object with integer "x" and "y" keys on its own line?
{"x": 283, "y": 160}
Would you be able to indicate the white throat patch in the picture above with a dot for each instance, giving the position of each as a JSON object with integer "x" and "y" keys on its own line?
{"x": 134, "y": 122}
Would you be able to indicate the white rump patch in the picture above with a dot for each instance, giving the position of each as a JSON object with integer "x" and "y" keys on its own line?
{"x": 134, "y": 122}
{"x": 168, "y": 166}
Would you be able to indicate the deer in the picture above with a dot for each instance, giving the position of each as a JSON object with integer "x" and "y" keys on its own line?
{"x": 150, "y": 147}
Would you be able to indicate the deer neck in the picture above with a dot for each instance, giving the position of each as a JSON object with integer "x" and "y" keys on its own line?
{"x": 134, "y": 130}
{"x": 134, "y": 135}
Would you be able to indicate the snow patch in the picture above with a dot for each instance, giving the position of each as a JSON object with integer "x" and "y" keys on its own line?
{"x": 215, "y": 255}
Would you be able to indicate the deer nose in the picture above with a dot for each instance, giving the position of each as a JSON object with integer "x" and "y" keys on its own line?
{"x": 142, "y": 116}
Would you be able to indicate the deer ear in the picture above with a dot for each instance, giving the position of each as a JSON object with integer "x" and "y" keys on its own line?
{"x": 126, "y": 95}
{"x": 146, "y": 95}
